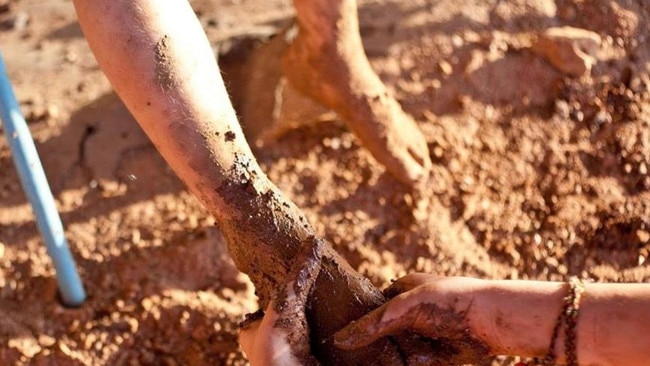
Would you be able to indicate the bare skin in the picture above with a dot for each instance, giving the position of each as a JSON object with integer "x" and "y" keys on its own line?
{"x": 514, "y": 317}
{"x": 272, "y": 340}
{"x": 160, "y": 63}
{"x": 327, "y": 62}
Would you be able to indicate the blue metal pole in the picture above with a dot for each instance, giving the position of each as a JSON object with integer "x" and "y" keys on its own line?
{"x": 38, "y": 192}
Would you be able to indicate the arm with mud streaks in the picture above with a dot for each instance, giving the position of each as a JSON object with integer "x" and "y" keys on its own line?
{"x": 506, "y": 317}
{"x": 155, "y": 57}
{"x": 327, "y": 62}
{"x": 159, "y": 61}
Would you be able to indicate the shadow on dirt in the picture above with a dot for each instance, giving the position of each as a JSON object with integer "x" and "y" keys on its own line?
{"x": 195, "y": 270}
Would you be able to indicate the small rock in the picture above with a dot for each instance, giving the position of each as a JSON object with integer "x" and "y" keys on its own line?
{"x": 601, "y": 118}
{"x": 147, "y": 304}
{"x": 552, "y": 262}
{"x": 445, "y": 67}
{"x": 71, "y": 56}
{"x": 562, "y": 108}
{"x": 89, "y": 341}
{"x": 52, "y": 111}
{"x": 457, "y": 41}
{"x": 46, "y": 340}
{"x": 643, "y": 236}
{"x": 133, "y": 324}
{"x": 570, "y": 50}
{"x": 28, "y": 346}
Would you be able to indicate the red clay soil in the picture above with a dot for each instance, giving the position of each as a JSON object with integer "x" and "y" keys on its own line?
{"x": 537, "y": 173}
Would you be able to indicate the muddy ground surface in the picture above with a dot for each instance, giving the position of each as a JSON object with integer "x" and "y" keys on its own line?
{"x": 539, "y": 171}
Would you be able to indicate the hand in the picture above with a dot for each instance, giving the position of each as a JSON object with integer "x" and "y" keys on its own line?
{"x": 445, "y": 309}
{"x": 263, "y": 342}
{"x": 396, "y": 141}
{"x": 281, "y": 336}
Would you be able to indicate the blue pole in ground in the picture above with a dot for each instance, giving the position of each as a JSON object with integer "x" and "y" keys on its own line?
{"x": 38, "y": 192}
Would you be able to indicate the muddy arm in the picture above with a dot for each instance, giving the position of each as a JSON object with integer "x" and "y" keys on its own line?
{"x": 327, "y": 62}
{"x": 180, "y": 102}
{"x": 506, "y": 317}
{"x": 159, "y": 61}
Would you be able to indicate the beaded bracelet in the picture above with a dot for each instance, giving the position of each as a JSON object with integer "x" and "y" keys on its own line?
{"x": 569, "y": 317}
{"x": 571, "y": 308}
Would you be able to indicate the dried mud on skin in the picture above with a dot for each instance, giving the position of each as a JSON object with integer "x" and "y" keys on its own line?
{"x": 536, "y": 175}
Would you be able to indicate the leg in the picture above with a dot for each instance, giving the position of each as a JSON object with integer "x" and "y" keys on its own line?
{"x": 327, "y": 62}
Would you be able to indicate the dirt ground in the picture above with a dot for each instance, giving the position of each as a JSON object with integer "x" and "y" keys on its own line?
{"x": 539, "y": 171}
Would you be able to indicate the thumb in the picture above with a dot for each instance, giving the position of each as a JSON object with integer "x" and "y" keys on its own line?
{"x": 264, "y": 343}
{"x": 248, "y": 335}
{"x": 410, "y": 282}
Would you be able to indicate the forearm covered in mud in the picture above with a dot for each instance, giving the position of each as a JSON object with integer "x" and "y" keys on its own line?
{"x": 159, "y": 61}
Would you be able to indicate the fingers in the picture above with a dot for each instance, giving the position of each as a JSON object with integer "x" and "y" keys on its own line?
{"x": 249, "y": 330}
{"x": 407, "y": 142}
{"x": 419, "y": 150}
{"x": 407, "y": 160}
{"x": 247, "y": 337}
{"x": 409, "y": 282}
{"x": 417, "y": 154}
{"x": 392, "y": 136}
{"x": 406, "y": 156}
{"x": 282, "y": 336}
{"x": 265, "y": 344}
{"x": 391, "y": 318}
{"x": 410, "y": 166}
{"x": 409, "y": 296}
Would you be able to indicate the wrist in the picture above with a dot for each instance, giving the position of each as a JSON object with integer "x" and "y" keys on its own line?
{"x": 517, "y": 317}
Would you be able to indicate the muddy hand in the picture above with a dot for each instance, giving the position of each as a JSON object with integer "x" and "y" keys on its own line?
{"x": 281, "y": 335}
{"x": 440, "y": 308}
{"x": 393, "y": 138}
{"x": 327, "y": 62}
